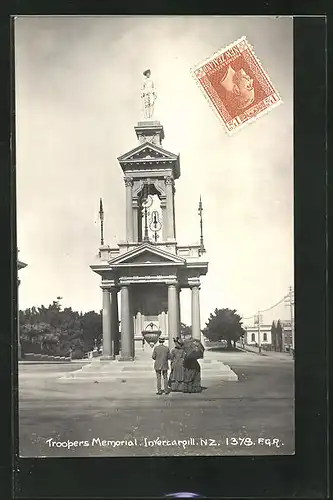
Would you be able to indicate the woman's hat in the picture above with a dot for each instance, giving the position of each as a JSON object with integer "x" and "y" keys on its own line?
{"x": 178, "y": 341}
{"x": 146, "y": 72}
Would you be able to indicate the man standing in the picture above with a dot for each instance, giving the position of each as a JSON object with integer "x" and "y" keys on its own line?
{"x": 161, "y": 355}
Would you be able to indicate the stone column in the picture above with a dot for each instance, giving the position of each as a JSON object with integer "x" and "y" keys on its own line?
{"x": 129, "y": 209}
{"x": 19, "y": 348}
{"x": 170, "y": 230}
{"x": 178, "y": 308}
{"x": 172, "y": 314}
{"x": 132, "y": 336}
{"x": 163, "y": 323}
{"x": 174, "y": 210}
{"x": 139, "y": 323}
{"x": 164, "y": 220}
{"x": 126, "y": 325}
{"x": 114, "y": 322}
{"x": 195, "y": 313}
{"x": 106, "y": 324}
{"x": 135, "y": 220}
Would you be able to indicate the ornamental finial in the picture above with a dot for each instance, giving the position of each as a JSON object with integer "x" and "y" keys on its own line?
{"x": 101, "y": 218}
{"x": 200, "y": 210}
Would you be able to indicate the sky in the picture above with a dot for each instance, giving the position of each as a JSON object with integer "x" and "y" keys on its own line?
{"x": 78, "y": 82}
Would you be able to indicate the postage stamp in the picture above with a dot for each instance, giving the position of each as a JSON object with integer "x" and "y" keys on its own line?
{"x": 236, "y": 85}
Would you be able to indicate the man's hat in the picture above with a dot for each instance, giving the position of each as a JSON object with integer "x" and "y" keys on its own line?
{"x": 146, "y": 72}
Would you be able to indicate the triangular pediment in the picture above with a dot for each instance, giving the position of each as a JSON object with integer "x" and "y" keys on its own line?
{"x": 147, "y": 254}
{"x": 147, "y": 152}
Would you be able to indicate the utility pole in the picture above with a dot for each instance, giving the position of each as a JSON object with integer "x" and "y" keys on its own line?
{"x": 259, "y": 336}
{"x": 290, "y": 302}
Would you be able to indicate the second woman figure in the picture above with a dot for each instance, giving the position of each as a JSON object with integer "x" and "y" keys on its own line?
{"x": 176, "y": 379}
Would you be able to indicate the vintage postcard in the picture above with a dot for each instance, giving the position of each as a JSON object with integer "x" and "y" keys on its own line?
{"x": 236, "y": 85}
{"x": 155, "y": 253}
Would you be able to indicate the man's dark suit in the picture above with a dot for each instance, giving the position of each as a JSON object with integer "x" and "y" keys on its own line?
{"x": 161, "y": 355}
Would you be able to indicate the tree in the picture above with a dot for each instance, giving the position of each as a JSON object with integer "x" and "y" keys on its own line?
{"x": 224, "y": 324}
{"x": 53, "y": 330}
{"x": 91, "y": 329}
{"x": 34, "y": 336}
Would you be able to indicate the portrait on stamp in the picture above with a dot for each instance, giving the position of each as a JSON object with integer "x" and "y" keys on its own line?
{"x": 236, "y": 85}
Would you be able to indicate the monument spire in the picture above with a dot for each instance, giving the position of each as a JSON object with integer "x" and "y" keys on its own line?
{"x": 200, "y": 210}
{"x": 101, "y": 218}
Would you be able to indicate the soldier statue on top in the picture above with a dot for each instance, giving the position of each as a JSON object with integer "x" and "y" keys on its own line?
{"x": 148, "y": 95}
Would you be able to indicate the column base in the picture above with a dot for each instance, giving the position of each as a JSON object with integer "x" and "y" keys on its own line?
{"x": 107, "y": 358}
{"x": 126, "y": 358}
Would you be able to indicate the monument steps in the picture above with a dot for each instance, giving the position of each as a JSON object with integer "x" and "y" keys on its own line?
{"x": 142, "y": 368}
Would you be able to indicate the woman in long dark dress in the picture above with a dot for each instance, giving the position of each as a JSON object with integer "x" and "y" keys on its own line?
{"x": 192, "y": 376}
{"x": 176, "y": 379}
{"x": 192, "y": 369}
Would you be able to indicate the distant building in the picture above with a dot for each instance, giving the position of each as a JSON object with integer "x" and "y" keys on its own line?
{"x": 252, "y": 335}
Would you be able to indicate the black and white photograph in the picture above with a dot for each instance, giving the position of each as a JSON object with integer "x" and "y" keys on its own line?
{"x": 155, "y": 251}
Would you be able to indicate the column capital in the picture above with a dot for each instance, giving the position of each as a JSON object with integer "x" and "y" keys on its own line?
{"x": 171, "y": 283}
{"x": 169, "y": 181}
{"x": 107, "y": 285}
{"x": 128, "y": 181}
{"x": 194, "y": 283}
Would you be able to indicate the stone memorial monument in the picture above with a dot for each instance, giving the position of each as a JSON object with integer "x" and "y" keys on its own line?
{"x": 150, "y": 268}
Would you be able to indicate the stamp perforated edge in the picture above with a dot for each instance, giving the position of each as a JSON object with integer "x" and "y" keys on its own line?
{"x": 213, "y": 56}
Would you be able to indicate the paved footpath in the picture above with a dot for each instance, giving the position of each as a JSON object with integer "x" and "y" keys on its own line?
{"x": 61, "y": 417}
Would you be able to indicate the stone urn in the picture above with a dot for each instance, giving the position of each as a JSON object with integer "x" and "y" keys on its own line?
{"x": 151, "y": 334}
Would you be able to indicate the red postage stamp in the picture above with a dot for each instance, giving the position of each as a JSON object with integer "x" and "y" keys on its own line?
{"x": 236, "y": 85}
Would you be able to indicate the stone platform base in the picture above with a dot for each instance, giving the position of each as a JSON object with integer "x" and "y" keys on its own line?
{"x": 143, "y": 367}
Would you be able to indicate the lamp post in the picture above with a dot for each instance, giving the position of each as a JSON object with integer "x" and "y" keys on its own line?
{"x": 155, "y": 224}
{"x": 259, "y": 332}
